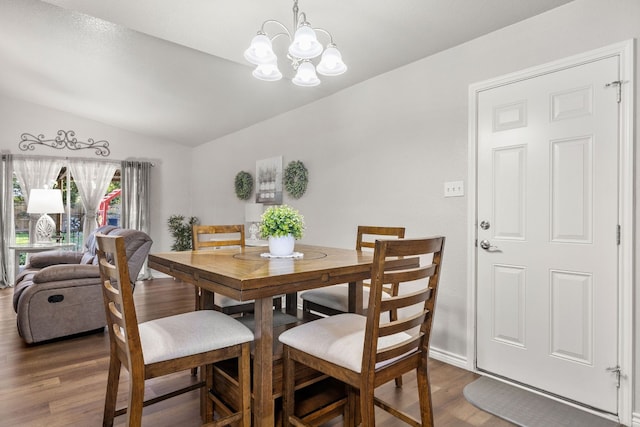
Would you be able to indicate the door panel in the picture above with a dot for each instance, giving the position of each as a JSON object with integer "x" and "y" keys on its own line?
{"x": 547, "y": 185}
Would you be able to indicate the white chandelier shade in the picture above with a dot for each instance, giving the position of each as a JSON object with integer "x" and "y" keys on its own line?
{"x": 260, "y": 51}
{"x": 331, "y": 63}
{"x": 268, "y": 72}
{"x": 306, "y": 75}
{"x": 303, "y": 48}
{"x": 305, "y": 43}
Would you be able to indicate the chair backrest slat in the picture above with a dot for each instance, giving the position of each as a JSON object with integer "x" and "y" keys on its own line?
{"x": 199, "y": 231}
{"x": 401, "y": 349}
{"x": 405, "y": 300}
{"x": 367, "y": 235}
{"x": 408, "y": 275}
{"x": 411, "y": 333}
{"x": 401, "y": 325}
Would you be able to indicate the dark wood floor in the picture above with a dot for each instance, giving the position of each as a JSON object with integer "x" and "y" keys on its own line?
{"x": 63, "y": 383}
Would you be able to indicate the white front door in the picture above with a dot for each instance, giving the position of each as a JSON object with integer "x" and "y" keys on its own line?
{"x": 547, "y": 210}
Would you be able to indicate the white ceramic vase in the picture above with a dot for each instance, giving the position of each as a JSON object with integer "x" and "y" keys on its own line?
{"x": 281, "y": 246}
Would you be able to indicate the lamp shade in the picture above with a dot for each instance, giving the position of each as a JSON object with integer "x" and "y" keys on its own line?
{"x": 305, "y": 43}
{"x": 331, "y": 63}
{"x": 306, "y": 75}
{"x": 253, "y": 212}
{"x": 260, "y": 51}
{"x": 42, "y": 201}
{"x": 268, "y": 72}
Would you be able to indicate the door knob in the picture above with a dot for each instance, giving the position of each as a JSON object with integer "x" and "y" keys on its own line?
{"x": 486, "y": 245}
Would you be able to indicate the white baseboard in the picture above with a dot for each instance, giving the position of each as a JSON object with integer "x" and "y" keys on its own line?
{"x": 450, "y": 358}
{"x": 635, "y": 419}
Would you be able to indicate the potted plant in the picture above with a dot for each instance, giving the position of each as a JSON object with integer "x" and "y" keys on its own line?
{"x": 281, "y": 225}
{"x": 181, "y": 231}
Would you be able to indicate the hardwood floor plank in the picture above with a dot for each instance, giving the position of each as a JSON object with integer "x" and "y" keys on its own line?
{"x": 62, "y": 383}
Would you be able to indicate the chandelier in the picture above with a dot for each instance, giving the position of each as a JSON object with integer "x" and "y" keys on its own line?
{"x": 303, "y": 48}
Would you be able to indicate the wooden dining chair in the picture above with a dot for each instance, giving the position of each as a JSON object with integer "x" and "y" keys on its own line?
{"x": 363, "y": 352}
{"x": 232, "y": 235}
{"x": 332, "y": 300}
{"x": 167, "y": 345}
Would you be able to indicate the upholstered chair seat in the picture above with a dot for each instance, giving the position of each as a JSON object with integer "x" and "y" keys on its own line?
{"x": 175, "y": 336}
{"x": 335, "y": 297}
{"x": 337, "y": 339}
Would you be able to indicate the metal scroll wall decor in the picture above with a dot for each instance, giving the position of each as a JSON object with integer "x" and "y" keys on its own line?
{"x": 64, "y": 139}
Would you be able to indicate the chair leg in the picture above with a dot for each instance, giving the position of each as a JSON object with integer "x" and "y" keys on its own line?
{"x": 305, "y": 308}
{"x": 207, "y": 411}
{"x": 351, "y": 408}
{"x": 424, "y": 396}
{"x": 288, "y": 387}
{"x": 399, "y": 381}
{"x": 244, "y": 384}
{"x": 367, "y": 407}
{"x": 113, "y": 379}
{"x": 136, "y": 400}
{"x": 194, "y": 371}
{"x": 198, "y": 300}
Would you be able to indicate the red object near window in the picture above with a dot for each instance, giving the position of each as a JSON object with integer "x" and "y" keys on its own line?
{"x": 104, "y": 206}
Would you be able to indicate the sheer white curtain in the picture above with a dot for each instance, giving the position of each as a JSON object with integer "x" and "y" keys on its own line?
{"x": 7, "y": 226}
{"x": 136, "y": 188}
{"x": 33, "y": 172}
{"x": 36, "y": 173}
{"x": 92, "y": 180}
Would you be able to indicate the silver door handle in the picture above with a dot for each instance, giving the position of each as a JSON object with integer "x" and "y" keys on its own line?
{"x": 486, "y": 245}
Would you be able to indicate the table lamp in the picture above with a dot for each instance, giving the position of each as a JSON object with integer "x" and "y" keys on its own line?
{"x": 45, "y": 201}
{"x": 253, "y": 215}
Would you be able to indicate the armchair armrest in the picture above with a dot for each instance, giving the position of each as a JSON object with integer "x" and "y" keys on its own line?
{"x": 47, "y": 258}
{"x": 55, "y": 273}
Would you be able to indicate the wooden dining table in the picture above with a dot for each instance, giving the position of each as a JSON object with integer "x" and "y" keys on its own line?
{"x": 248, "y": 274}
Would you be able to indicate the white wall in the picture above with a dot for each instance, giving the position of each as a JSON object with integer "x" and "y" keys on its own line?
{"x": 170, "y": 176}
{"x": 379, "y": 152}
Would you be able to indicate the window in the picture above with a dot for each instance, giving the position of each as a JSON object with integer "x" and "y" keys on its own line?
{"x": 69, "y": 225}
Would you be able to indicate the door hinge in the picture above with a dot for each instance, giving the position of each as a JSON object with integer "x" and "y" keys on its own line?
{"x": 618, "y": 234}
{"x": 618, "y": 372}
{"x": 618, "y": 85}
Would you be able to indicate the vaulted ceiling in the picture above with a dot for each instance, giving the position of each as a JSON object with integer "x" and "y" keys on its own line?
{"x": 175, "y": 69}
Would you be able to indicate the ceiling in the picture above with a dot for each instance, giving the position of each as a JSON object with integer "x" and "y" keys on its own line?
{"x": 175, "y": 69}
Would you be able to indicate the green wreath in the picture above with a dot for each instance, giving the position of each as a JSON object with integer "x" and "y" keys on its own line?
{"x": 296, "y": 178}
{"x": 244, "y": 185}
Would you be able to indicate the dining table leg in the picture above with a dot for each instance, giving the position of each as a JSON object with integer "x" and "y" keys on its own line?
{"x": 291, "y": 304}
{"x": 263, "y": 363}
{"x": 355, "y": 297}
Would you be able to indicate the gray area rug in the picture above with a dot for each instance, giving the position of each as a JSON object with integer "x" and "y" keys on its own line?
{"x": 527, "y": 409}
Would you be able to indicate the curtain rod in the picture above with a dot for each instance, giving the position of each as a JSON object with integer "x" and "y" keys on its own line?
{"x": 86, "y": 159}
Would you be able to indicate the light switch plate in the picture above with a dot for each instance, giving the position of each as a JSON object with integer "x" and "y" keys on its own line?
{"x": 454, "y": 189}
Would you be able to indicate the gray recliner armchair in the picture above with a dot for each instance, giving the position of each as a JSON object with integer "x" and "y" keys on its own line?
{"x": 58, "y": 293}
